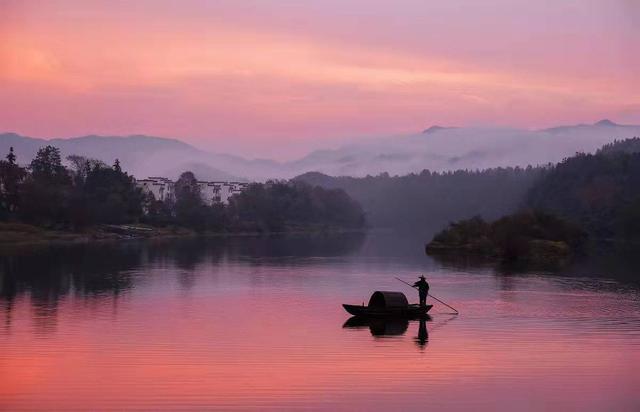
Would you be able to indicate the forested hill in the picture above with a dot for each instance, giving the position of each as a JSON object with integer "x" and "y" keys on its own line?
{"x": 621, "y": 146}
{"x": 428, "y": 201}
{"x": 600, "y": 191}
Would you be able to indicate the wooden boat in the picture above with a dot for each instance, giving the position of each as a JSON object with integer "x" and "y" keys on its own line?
{"x": 388, "y": 304}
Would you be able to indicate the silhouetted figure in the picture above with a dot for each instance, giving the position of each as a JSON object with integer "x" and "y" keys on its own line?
{"x": 423, "y": 290}
{"x": 423, "y": 335}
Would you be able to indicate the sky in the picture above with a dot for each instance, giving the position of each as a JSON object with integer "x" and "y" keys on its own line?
{"x": 277, "y": 79}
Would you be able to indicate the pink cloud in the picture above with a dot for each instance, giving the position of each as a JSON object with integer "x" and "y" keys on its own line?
{"x": 272, "y": 74}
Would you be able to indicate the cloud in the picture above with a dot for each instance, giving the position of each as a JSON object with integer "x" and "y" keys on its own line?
{"x": 272, "y": 73}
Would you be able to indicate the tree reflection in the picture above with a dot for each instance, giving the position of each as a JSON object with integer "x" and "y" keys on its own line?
{"x": 619, "y": 263}
{"x": 48, "y": 274}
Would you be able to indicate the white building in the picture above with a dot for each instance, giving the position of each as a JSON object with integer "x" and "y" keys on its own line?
{"x": 211, "y": 192}
{"x": 161, "y": 187}
{"x": 214, "y": 192}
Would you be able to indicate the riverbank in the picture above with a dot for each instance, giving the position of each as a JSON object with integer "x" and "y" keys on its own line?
{"x": 20, "y": 234}
{"x": 23, "y": 234}
{"x": 532, "y": 237}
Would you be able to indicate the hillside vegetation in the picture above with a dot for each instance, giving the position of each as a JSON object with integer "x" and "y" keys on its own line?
{"x": 599, "y": 191}
{"x": 524, "y": 236}
{"x": 587, "y": 194}
{"x": 429, "y": 200}
{"x": 49, "y": 195}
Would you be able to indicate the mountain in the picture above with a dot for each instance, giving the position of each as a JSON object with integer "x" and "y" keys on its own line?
{"x": 600, "y": 191}
{"x": 604, "y": 125}
{"x": 438, "y": 148}
{"x": 202, "y": 171}
{"x": 140, "y": 155}
{"x": 464, "y": 148}
{"x": 435, "y": 128}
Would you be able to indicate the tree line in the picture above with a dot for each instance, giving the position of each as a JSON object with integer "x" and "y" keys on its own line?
{"x": 599, "y": 191}
{"x": 596, "y": 195}
{"x": 47, "y": 193}
{"x": 427, "y": 201}
{"x": 89, "y": 192}
{"x": 524, "y": 236}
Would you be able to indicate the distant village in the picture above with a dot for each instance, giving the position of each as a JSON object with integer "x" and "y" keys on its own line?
{"x": 211, "y": 192}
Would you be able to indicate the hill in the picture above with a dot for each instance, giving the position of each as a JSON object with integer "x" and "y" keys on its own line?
{"x": 452, "y": 148}
{"x": 599, "y": 191}
{"x": 438, "y": 149}
{"x": 425, "y": 202}
{"x": 142, "y": 155}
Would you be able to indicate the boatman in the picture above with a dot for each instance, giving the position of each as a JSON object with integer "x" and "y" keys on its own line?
{"x": 423, "y": 290}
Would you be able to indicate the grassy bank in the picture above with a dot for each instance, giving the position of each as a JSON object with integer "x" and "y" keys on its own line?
{"x": 18, "y": 234}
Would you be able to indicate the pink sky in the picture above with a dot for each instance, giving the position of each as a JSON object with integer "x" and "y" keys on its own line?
{"x": 278, "y": 78}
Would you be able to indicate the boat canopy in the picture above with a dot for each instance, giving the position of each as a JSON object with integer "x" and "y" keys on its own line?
{"x": 384, "y": 299}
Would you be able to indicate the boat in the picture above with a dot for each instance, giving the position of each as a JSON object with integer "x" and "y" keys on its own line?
{"x": 388, "y": 304}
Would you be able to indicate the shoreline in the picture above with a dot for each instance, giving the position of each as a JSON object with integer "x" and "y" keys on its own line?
{"x": 24, "y": 235}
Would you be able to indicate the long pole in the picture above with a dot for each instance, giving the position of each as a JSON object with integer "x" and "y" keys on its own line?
{"x": 450, "y": 307}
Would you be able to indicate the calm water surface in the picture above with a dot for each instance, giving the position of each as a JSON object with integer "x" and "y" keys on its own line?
{"x": 257, "y": 324}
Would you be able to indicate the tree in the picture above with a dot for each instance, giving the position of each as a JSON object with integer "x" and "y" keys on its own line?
{"x": 47, "y": 166}
{"x": 110, "y": 195}
{"x": 629, "y": 221}
{"x": 11, "y": 175}
{"x": 11, "y": 157}
{"x": 189, "y": 208}
{"x": 81, "y": 165}
{"x": 281, "y": 206}
{"x": 429, "y": 200}
{"x": 597, "y": 191}
{"x": 157, "y": 212}
{"x": 46, "y": 193}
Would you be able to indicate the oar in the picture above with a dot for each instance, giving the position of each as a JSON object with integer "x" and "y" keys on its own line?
{"x": 450, "y": 307}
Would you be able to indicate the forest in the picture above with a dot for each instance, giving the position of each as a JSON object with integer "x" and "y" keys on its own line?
{"x": 586, "y": 195}
{"x": 532, "y": 236}
{"x": 89, "y": 192}
{"x": 600, "y": 192}
{"x": 427, "y": 201}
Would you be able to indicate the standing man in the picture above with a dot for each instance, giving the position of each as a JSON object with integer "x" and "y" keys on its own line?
{"x": 423, "y": 290}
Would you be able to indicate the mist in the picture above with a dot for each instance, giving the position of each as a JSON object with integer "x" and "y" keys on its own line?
{"x": 435, "y": 149}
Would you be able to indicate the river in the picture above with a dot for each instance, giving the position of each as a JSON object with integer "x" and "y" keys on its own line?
{"x": 257, "y": 323}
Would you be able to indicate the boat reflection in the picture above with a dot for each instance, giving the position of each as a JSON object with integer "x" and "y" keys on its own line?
{"x": 381, "y": 327}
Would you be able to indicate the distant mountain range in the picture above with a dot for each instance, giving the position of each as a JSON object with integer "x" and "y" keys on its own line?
{"x": 140, "y": 155}
{"x": 437, "y": 148}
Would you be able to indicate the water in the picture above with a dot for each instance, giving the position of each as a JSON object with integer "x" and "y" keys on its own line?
{"x": 251, "y": 323}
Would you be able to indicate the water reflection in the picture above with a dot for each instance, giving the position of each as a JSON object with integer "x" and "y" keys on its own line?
{"x": 378, "y": 326}
{"x": 48, "y": 274}
{"x": 621, "y": 264}
{"x": 423, "y": 335}
{"x": 254, "y": 323}
{"x": 383, "y": 327}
